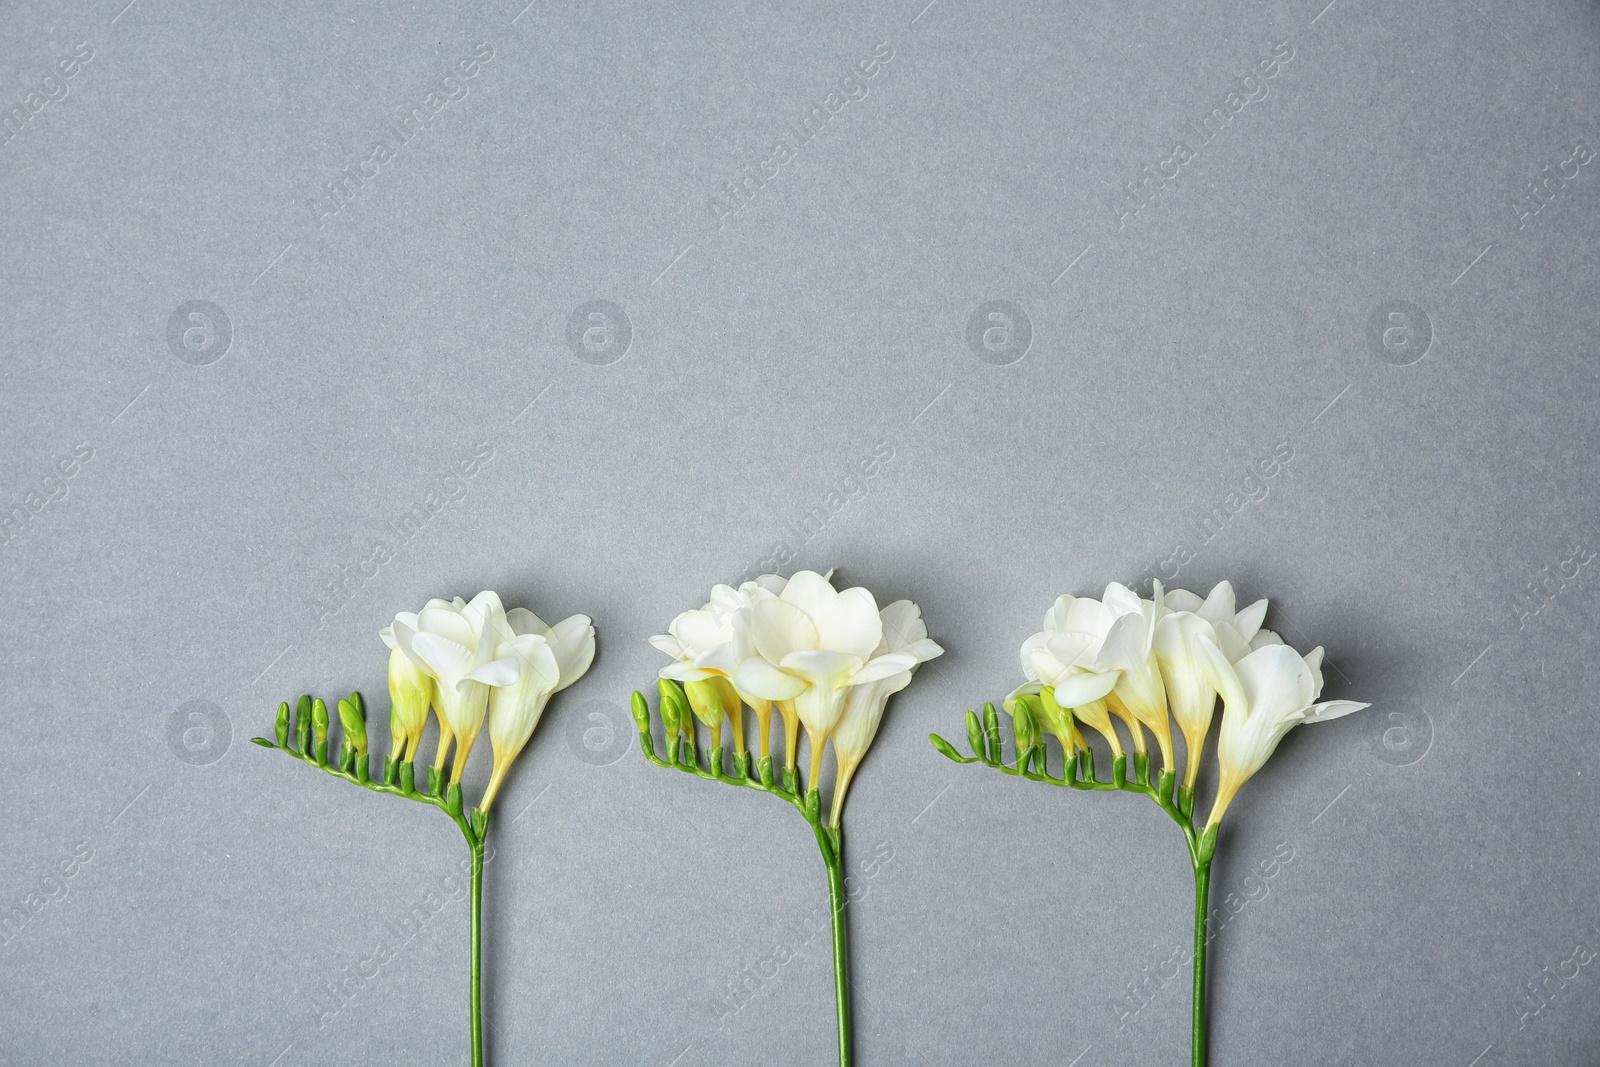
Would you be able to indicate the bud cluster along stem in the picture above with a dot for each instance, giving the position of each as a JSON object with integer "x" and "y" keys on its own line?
{"x": 1158, "y": 665}
{"x": 304, "y": 734}
{"x": 681, "y": 742}
{"x": 1029, "y": 761}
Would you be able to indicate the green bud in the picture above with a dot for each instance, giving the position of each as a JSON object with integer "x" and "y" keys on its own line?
{"x": 1024, "y": 726}
{"x": 975, "y": 736}
{"x": 991, "y": 727}
{"x": 302, "y": 723}
{"x": 641, "y": 712}
{"x": 946, "y": 748}
{"x": 283, "y": 724}
{"x": 355, "y": 726}
{"x": 705, "y": 700}
{"x": 674, "y": 705}
{"x": 319, "y": 720}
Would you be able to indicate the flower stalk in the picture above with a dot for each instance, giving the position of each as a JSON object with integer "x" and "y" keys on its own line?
{"x": 826, "y": 659}
{"x": 468, "y": 663}
{"x": 474, "y": 827}
{"x": 1153, "y": 663}
{"x": 683, "y": 754}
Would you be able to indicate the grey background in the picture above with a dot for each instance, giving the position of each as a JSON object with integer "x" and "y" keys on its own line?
{"x": 231, "y": 540}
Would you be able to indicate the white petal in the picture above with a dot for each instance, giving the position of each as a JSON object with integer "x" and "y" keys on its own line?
{"x": 823, "y": 668}
{"x": 1087, "y": 615}
{"x": 572, "y": 643}
{"x": 1276, "y": 682}
{"x": 884, "y": 666}
{"x": 1025, "y": 689}
{"x": 1075, "y": 648}
{"x": 1126, "y": 646}
{"x": 850, "y": 623}
{"x": 761, "y": 679}
{"x": 1120, "y": 600}
{"x": 924, "y": 650}
{"x": 1263, "y": 638}
{"x": 404, "y": 635}
{"x": 668, "y": 644}
{"x": 1045, "y": 667}
{"x": 1182, "y": 600}
{"x": 684, "y": 670}
{"x": 448, "y": 622}
{"x": 1036, "y": 643}
{"x": 1221, "y": 674}
{"x": 1333, "y": 709}
{"x": 809, "y": 591}
{"x": 1085, "y": 687}
{"x": 1248, "y": 621}
{"x": 699, "y": 630}
{"x": 779, "y": 628}
{"x": 902, "y": 625}
{"x": 1218, "y": 607}
{"x": 523, "y": 621}
{"x": 506, "y": 671}
{"x": 1055, "y": 619}
{"x": 386, "y": 635}
{"x": 445, "y": 659}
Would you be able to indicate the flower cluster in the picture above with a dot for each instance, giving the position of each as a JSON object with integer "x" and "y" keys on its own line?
{"x": 471, "y": 660}
{"x": 822, "y": 658}
{"x": 1151, "y": 662}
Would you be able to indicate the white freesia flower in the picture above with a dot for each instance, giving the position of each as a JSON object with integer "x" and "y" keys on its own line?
{"x": 1268, "y": 692}
{"x": 411, "y": 691}
{"x": 903, "y": 632}
{"x": 1235, "y": 633}
{"x": 710, "y": 643}
{"x": 458, "y": 644}
{"x": 813, "y": 644}
{"x": 1139, "y": 696}
{"x": 548, "y": 659}
{"x": 1064, "y": 658}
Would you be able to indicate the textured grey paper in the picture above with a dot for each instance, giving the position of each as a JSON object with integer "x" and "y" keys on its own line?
{"x": 663, "y": 277}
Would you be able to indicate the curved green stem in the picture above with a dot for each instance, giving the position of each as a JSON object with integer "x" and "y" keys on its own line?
{"x": 474, "y": 826}
{"x": 1078, "y": 773}
{"x": 830, "y": 839}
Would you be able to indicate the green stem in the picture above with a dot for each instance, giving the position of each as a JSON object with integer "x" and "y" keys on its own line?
{"x": 1202, "y": 893}
{"x": 831, "y": 842}
{"x": 476, "y": 843}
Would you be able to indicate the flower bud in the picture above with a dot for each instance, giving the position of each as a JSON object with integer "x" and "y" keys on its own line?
{"x": 1024, "y": 725}
{"x": 302, "y": 723}
{"x": 283, "y": 724}
{"x": 319, "y": 720}
{"x": 674, "y": 706}
{"x": 355, "y": 726}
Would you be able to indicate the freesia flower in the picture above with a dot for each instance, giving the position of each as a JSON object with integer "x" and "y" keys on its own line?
{"x": 410, "y": 690}
{"x": 458, "y": 645}
{"x": 1139, "y": 696}
{"x": 814, "y": 643}
{"x": 903, "y": 632}
{"x": 1061, "y": 660}
{"x": 711, "y": 642}
{"x": 548, "y": 659}
{"x": 1268, "y": 692}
